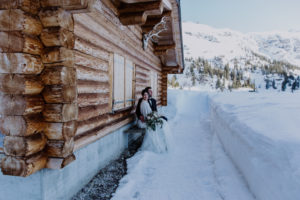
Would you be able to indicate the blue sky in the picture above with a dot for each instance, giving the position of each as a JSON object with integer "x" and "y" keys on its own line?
{"x": 244, "y": 15}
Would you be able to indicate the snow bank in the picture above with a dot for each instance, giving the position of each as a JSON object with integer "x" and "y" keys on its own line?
{"x": 260, "y": 132}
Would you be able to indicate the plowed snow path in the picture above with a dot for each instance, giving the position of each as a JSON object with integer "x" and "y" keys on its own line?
{"x": 196, "y": 167}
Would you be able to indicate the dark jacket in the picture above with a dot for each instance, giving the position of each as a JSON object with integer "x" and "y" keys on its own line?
{"x": 152, "y": 103}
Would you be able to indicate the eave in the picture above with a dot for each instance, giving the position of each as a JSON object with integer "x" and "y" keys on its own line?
{"x": 146, "y": 14}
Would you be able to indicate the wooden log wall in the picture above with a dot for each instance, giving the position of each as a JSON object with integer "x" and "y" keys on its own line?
{"x": 98, "y": 35}
{"x": 38, "y": 84}
{"x": 56, "y": 79}
{"x": 60, "y": 79}
{"x": 20, "y": 88}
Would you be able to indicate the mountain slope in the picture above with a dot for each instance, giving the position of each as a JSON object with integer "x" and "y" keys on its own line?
{"x": 207, "y": 42}
{"x": 223, "y": 58}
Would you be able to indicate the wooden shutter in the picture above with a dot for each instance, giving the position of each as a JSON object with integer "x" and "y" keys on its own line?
{"x": 129, "y": 70}
{"x": 119, "y": 81}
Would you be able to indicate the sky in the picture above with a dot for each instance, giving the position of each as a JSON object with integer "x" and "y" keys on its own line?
{"x": 244, "y": 15}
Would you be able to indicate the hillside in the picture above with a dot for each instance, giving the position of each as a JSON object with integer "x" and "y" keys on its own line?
{"x": 253, "y": 57}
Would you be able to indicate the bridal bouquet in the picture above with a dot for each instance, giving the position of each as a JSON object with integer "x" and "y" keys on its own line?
{"x": 153, "y": 120}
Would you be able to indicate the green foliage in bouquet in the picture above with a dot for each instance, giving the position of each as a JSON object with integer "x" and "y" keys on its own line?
{"x": 153, "y": 120}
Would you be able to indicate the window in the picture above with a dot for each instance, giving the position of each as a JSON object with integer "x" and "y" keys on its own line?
{"x": 153, "y": 83}
{"x": 123, "y": 75}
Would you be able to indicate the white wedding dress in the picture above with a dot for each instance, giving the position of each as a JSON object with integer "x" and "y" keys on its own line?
{"x": 153, "y": 140}
{"x": 145, "y": 110}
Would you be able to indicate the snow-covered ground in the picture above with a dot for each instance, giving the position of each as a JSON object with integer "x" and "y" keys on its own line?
{"x": 260, "y": 132}
{"x": 195, "y": 167}
{"x": 227, "y": 146}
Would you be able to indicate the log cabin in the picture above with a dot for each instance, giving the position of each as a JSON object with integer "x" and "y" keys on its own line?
{"x": 71, "y": 72}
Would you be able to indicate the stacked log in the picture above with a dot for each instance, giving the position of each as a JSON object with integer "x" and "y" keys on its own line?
{"x": 59, "y": 77}
{"x": 20, "y": 88}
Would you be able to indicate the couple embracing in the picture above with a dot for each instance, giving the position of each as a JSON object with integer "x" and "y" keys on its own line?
{"x": 145, "y": 106}
{"x": 154, "y": 140}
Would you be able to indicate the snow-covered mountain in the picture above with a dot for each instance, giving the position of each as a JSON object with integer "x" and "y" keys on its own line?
{"x": 223, "y": 58}
{"x": 231, "y": 46}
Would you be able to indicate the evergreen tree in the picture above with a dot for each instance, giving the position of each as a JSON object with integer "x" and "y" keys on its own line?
{"x": 226, "y": 71}
{"x": 218, "y": 84}
{"x": 274, "y": 84}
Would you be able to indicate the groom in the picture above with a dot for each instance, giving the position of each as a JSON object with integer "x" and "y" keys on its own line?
{"x": 151, "y": 101}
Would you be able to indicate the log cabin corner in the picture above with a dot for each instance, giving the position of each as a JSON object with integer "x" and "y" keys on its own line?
{"x": 70, "y": 74}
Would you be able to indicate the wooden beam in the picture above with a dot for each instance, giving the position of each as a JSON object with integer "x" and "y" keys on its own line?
{"x": 164, "y": 47}
{"x": 87, "y": 73}
{"x": 19, "y": 63}
{"x": 66, "y": 4}
{"x": 15, "y": 42}
{"x": 20, "y": 105}
{"x": 60, "y": 148}
{"x": 60, "y": 93}
{"x": 92, "y": 61}
{"x": 57, "y": 18}
{"x": 99, "y": 121}
{"x": 31, "y": 6}
{"x": 86, "y": 99}
{"x": 139, "y": 7}
{"x": 88, "y": 112}
{"x": 24, "y": 146}
{"x": 133, "y": 18}
{"x": 21, "y": 125}
{"x": 60, "y": 55}
{"x": 93, "y": 87}
{"x": 23, "y": 166}
{"x": 57, "y": 37}
{"x": 59, "y": 75}
{"x": 136, "y": 13}
{"x": 17, "y": 20}
{"x": 60, "y": 131}
{"x": 20, "y": 84}
{"x": 160, "y": 52}
{"x": 60, "y": 112}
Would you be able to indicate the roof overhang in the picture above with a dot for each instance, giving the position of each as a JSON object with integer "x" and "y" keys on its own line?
{"x": 147, "y": 13}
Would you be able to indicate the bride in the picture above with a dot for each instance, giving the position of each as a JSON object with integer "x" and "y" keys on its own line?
{"x": 145, "y": 110}
{"x": 153, "y": 140}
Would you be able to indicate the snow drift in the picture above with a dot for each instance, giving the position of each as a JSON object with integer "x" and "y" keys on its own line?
{"x": 260, "y": 134}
